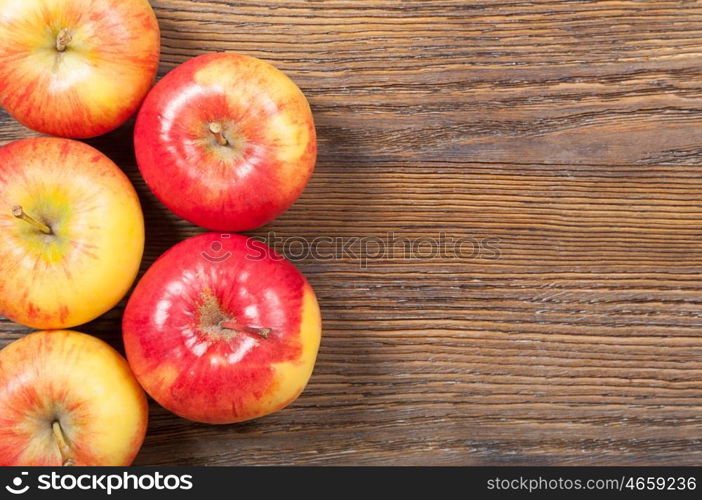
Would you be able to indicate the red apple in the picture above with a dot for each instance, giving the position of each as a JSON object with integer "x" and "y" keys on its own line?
{"x": 226, "y": 141}
{"x": 67, "y": 398}
{"x": 221, "y": 329}
{"x": 76, "y": 68}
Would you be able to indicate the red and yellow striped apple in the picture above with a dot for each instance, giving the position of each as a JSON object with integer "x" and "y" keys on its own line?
{"x": 72, "y": 233}
{"x": 226, "y": 141}
{"x": 67, "y": 398}
{"x": 76, "y": 68}
{"x": 221, "y": 329}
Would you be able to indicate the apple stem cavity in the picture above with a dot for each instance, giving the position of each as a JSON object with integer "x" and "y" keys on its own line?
{"x": 254, "y": 330}
{"x": 216, "y": 130}
{"x": 63, "y": 38}
{"x": 63, "y": 447}
{"x": 18, "y": 212}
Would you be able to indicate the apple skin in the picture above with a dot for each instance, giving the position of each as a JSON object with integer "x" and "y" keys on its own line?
{"x": 270, "y": 149}
{"x": 197, "y": 369}
{"x": 89, "y": 262}
{"x": 96, "y": 83}
{"x": 78, "y": 381}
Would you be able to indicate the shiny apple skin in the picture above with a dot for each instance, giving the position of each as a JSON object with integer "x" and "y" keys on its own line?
{"x": 78, "y": 381}
{"x": 209, "y": 374}
{"x": 89, "y": 263}
{"x": 96, "y": 83}
{"x": 271, "y": 142}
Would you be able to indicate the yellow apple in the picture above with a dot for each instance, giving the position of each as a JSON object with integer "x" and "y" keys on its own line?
{"x": 67, "y": 398}
{"x": 72, "y": 233}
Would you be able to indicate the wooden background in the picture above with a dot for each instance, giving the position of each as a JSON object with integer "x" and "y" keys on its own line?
{"x": 569, "y": 130}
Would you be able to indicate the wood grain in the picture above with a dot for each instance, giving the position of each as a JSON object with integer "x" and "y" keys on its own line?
{"x": 568, "y": 133}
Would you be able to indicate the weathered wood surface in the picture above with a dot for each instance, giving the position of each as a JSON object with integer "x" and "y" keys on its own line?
{"x": 566, "y": 134}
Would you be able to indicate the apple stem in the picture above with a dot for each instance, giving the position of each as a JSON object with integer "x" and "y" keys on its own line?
{"x": 63, "y": 38}
{"x": 216, "y": 130}
{"x": 18, "y": 212}
{"x": 64, "y": 450}
{"x": 255, "y": 330}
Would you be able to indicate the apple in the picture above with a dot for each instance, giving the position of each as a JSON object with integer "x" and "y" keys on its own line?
{"x": 76, "y": 68}
{"x": 226, "y": 141}
{"x": 222, "y": 329}
{"x": 67, "y": 398}
{"x": 72, "y": 233}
